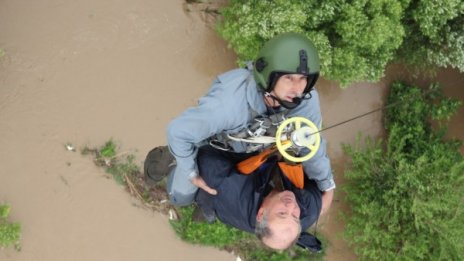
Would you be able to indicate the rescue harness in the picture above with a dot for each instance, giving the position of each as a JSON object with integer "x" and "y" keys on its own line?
{"x": 296, "y": 139}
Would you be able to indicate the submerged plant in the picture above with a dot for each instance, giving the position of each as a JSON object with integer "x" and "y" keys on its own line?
{"x": 9, "y": 232}
{"x": 124, "y": 170}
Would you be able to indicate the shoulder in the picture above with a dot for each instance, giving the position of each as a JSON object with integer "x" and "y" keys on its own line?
{"x": 235, "y": 203}
{"x": 235, "y": 74}
{"x": 309, "y": 108}
{"x": 312, "y": 102}
{"x": 233, "y": 79}
{"x": 229, "y": 88}
{"x": 310, "y": 205}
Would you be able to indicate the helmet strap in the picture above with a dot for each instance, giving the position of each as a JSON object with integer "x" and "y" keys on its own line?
{"x": 273, "y": 78}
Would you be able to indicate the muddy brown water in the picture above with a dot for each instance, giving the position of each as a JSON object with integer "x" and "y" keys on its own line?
{"x": 86, "y": 71}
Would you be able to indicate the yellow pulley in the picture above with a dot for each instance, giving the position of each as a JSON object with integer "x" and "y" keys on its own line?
{"x": 298, "y": 132}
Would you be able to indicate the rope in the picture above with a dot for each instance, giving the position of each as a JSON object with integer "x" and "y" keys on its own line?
{"x": 408, "y": 98}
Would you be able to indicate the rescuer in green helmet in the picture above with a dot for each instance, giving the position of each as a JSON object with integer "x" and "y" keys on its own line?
{"x": 205, "y": 143}
{"x": 287, "y": 54}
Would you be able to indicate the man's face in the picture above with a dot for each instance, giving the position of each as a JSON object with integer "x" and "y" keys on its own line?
{"x": 283, "y": 218}
{"x": 289, "y": 86}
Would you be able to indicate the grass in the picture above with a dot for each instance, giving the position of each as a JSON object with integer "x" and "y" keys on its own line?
{"x": 123, "y": 169}
{"x": 10, "y": 233}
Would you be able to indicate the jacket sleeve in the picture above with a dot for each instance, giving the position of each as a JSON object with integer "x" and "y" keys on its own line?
{"x": 318, "y": 167}
{"x": 215, "y": 112}
{"x": 190, "y": 128}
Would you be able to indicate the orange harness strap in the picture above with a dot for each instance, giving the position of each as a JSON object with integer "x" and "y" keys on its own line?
{"x": 294, "y": 173}
{"x": 252, "y": 163}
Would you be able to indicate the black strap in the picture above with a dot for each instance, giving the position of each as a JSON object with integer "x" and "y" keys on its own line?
{"x": 309, "y": 242}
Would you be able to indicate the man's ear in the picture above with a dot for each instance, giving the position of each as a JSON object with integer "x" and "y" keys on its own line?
{"x": 260, "y": 214}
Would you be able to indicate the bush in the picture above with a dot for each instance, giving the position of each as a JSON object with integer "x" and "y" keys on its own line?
{"x": 406, "y": 193}
{"x": 434, "y": 34}
{"x": 9, "y": 232}
{"x": 356, "y": 39}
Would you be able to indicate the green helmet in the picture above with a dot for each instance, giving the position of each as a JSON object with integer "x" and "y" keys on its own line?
{"x": 286, "y": 53}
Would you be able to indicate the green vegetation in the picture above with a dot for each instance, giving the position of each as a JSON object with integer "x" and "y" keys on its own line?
{"x": 406, "y": 193}
{"x": 108, "y": 150}
{"x": 9, "y": 232}
{"x": 126, "y": 172}
{"x": 119, "y": 166}
{"x": 434, "y": 34}
{"x": 356, "y": 39}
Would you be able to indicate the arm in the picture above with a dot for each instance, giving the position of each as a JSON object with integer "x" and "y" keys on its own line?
{"x": 327, "y": 197}
{"x": 200, "y": 182}
{"x": 217, "y": 111}
{"x": 188, "y": 130}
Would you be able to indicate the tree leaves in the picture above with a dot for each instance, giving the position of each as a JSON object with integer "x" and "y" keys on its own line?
{"x": 356, "y": 39}
{"x": 406, "y": 193}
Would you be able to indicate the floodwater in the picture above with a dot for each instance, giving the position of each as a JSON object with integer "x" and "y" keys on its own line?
{"x": 83, "y": 72}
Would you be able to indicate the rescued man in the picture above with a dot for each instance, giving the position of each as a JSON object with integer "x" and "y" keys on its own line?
{"x": 279, "y": 85}
{"x": 265, "y": 202}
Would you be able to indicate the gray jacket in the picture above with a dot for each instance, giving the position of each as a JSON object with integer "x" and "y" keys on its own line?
{"x": 230, "y": 104}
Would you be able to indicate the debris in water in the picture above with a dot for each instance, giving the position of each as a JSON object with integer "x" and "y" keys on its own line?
{"x": 70, "y": 147}
{"x": 107, "y": 162}
{"x": 172, "y": 215}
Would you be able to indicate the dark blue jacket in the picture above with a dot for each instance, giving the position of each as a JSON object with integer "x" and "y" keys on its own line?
{"x": 240, "y": 196}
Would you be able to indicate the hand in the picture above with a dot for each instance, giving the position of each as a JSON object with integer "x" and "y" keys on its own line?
{"x": 327, "y": 197}
{"x": 200, "y": 182}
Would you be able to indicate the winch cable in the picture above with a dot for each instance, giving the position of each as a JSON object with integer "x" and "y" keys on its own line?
{"x": 388, "y": 106}
{"x": 268, "y": 139}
